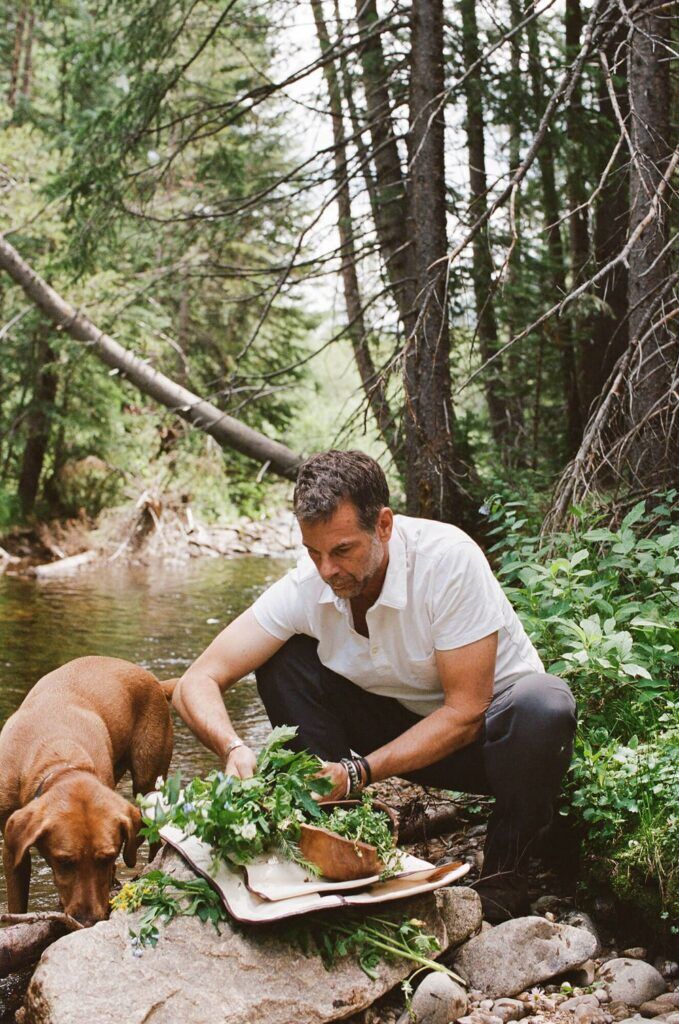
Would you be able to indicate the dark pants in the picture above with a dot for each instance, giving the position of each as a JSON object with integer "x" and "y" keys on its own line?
{"x": 520, "y": 758}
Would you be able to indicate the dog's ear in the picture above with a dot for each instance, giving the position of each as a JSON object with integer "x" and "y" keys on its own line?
{"x": 130, "y": 824}
{"x": 22, "y": 830}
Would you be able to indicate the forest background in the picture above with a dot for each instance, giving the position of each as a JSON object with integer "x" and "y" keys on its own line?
{"x": 235, "y": 233}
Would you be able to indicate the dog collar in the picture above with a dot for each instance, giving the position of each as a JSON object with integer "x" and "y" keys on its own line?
{"x": 60, "y": 770}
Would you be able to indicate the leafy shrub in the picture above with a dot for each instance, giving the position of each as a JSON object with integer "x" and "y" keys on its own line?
{"x": 601, "y": 605}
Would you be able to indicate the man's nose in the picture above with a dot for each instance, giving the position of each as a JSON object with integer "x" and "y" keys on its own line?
{"x": 327, "y": 567}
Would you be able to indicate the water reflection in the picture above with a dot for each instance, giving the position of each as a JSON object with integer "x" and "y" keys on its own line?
{"x": 158, "y": 617}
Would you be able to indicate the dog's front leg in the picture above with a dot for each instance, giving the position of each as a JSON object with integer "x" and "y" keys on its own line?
{"x": 18, "y": 882}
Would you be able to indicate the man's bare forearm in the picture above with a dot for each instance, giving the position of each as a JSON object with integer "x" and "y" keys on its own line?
{"x": 439, "y": 734}
{"x": 198, "y": 700}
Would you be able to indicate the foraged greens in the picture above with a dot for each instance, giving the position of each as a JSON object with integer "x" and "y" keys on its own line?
{"x": 364, "y": 823}
{"x": 242, "y": 818}
{"x": 163, "y": 898}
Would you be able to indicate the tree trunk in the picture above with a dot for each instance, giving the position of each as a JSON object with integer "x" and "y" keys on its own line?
{"x": 555, "y": 249}
{"x": 601, "y": 346}
{"x": 653, "y": 411}
{"x": 27, "y": 75}
{"x": 391, "y": 224}
{"x": 482, "y": 272}
{"x": 17, "y": 50}
{"x": 228, "y": 431}
{"x": 434, "y": 475}
{"x": 38, "y": 424}
{"x": 373, "y": 385}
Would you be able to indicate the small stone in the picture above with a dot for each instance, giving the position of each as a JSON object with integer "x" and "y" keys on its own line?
{"x": 587, "y": 1000}
{"x": 579, "y": 919}
{"x": 671, "y": 1018}
{"x": 547, "y": 904}
{"x": 631, "y": 981}
{"x": 486, "y": 1004}
{"x": 583, "y": 976}
{"x": 620, "y": 1011}
{"x": 480, "y": 1017}
{"x": 602, "y": 995}
{"x": 636, "y": 953}
{"x": 460, "y": 908}
{"x": 653, "y": 1008}
{"x": 508, "y": 1009}
{"x": 586, "y": 1013}
{"x": 438, "y": 999}
{"x": 668, "y": 998}
{"x": 668, "y": 968}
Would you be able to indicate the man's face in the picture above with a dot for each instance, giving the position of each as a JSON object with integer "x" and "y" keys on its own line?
{"x": 348, "y": 557}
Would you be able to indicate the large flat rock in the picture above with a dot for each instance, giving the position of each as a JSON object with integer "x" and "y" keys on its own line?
{"x": 196, "y": 976}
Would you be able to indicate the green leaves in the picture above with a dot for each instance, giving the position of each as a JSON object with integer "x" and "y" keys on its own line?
{"x": 242, "y": 818}
{"x": 365, "y": 824}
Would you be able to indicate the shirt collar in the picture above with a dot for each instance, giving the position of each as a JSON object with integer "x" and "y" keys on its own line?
{"x": 395, "y": 587}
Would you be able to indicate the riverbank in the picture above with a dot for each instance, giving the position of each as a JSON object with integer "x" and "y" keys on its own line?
{"x": 152, "y": 529}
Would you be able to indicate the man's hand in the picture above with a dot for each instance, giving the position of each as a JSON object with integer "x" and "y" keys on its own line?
{"x": 241, "y": 762}
{"x": 337, "y": 774}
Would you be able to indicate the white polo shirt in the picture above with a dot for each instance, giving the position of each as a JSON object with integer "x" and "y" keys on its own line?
{"x": 439, "y": 593}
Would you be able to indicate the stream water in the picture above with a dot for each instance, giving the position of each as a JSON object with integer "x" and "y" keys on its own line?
{"x": 159, "y": 617}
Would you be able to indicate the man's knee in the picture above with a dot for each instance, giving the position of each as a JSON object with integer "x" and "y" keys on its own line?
{"x": 544, "y": 704}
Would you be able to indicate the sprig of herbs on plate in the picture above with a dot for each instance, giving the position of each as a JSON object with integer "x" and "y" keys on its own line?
{"x": 366, "y": 824}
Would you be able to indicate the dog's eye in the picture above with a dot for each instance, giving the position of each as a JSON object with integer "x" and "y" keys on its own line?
{"x": 66, "y": 863}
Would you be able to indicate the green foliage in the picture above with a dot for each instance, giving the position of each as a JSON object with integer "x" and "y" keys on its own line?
{"x": 369, "y": 939}
{"x": 601, "y": 605}
{"x": 163, "y": 897}
{"x": 241, "y": 818}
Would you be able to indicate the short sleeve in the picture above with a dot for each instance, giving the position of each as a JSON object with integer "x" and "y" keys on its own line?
{"x": 279, "y": 609}
{"x": 466, "y": 600}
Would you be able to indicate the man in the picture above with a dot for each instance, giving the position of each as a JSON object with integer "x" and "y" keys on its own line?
{"x": 394, "y": 651}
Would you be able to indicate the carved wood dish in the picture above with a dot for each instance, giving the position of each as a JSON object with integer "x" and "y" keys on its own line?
{"x": 340, "y": 859}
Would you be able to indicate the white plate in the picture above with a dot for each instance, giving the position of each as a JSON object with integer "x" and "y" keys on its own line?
{"x": 250, "y": 908}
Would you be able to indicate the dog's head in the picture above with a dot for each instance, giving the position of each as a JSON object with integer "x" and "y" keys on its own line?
{"x": 80, "y": 827}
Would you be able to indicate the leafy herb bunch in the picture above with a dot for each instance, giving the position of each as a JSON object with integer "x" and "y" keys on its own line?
{"x": 363, "y": 823}
{"x": 242, "y": 818}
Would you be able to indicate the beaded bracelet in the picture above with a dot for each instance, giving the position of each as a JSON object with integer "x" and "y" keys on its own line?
{"x": 355, "y": 782}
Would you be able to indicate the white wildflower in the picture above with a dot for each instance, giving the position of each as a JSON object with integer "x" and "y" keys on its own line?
{"x": 248, "y": 831}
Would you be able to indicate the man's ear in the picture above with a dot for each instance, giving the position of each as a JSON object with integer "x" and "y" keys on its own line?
{"x": 385, "y": 524}
{"x": 22, "y": 830}
{"x": 130, "y": 823}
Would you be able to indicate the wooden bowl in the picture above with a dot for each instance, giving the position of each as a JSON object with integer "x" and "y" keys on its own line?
{"x": 340, "y": 859}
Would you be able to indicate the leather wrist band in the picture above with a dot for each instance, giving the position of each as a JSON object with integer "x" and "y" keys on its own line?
{"x": 366, "y": 768}
{"x": 233, "y": 745}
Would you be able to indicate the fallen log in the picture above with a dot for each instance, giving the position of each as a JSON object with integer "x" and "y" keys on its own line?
{"x": 23, "y": 943}
{"x": 419, "y": 821}
{"x": 65, "y": 566}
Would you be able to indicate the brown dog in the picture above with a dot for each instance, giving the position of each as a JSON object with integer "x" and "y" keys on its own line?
{"x": 77, "y": 732}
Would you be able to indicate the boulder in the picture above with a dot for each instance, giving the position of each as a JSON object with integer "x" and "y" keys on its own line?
{"x": 197, "y": 976}
{"x": 438, "y": 1000}
{"x": 521, "y": 953}
{"x": 631, "y": 981}
{"x": 460, "y": 909}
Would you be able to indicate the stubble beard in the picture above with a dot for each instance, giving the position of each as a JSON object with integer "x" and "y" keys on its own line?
{"x": 353, "y": 586}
